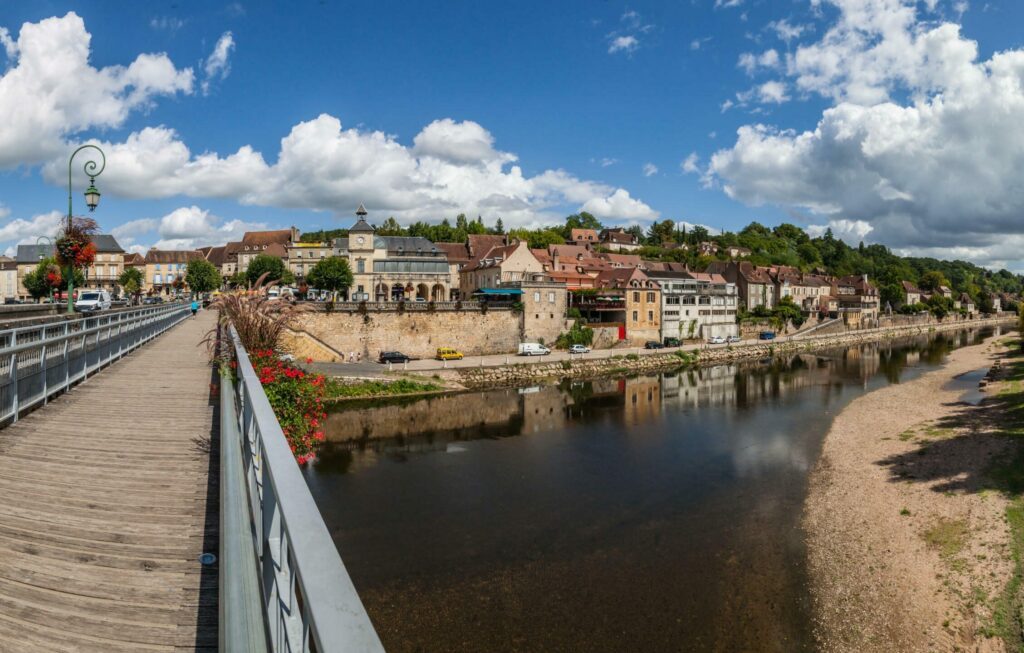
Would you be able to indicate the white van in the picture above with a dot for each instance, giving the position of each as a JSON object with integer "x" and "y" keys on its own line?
{"x": 533, "y": 349}
{"x": 92, "y": 300}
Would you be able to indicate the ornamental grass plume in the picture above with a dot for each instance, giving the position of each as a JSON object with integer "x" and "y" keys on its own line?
{"x": 259, "y": 320}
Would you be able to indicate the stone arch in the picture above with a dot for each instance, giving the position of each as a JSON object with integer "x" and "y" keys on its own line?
{"x": 397, "y": 292}
{"x": 422, "y": 291}
{"x": 437, "y": 293}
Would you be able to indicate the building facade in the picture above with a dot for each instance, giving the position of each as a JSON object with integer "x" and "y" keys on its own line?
{"x": 696, "y": 305}
{"x": 164, "y": 268}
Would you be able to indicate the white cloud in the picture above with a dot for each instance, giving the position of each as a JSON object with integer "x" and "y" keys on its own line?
{"x": 626, "y": 43}
{"x": 727, "y": 3}
{"x": 938, "y": 170}
{"x": 451, "y": 167}
{"x": 187, "y": 227}
{"x": 691, "y": 164}
{"x": 23, "y": 232}
{"x": 218, "y": 64}
{"x": 787, "y": 31}
{"x": 619, "y": 206}
{"x": 650, "y": 170}
{"x": 606, "y": 161}
{"x": 44, "y": 90}
{"x": 167, "y": 23}
{"x": 772, "y": 93}
{"x": 852, "y": 231}
{"x": 750, "y": 62}
{"x": 697, "y": 44}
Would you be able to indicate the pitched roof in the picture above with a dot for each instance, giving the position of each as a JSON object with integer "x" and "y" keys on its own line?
{"x": 456, "y": 252}
{"x": 406, "y": 244}
{"x": 619, "y": 236}
{"x": 134, "y": 259}
{"x": 231, "y": 250}
{"x": 909, "y": 286}
{"x": 361, "y": 226}
{"x": 260, "y": 238}
{"x": 33, "y": 253}
{"x": 479, "y": 244}
{"x": 628, "y": 260}
{"x": 154, "y": 256}
{"x": 106, "y": 244}
{"x": 585, "y": 235}
{"x": 752, "y": 273}
{"x": 569, "y": 251}
{"x": 217, "y": 255}
{"x": 494, "y": 257}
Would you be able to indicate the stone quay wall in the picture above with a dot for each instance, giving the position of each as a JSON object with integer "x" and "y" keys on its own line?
{"x": 415, "y": 333}
{"x": 525, "y": 373}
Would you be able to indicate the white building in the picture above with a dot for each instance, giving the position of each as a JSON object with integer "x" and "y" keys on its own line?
{"x": 696, "y": 305}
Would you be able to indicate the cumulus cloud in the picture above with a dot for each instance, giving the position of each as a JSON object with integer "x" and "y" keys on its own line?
{"x": 626, "y": 43}
{"x": 451, "y": 167}
{"x": 617, "y": 205}
{"x": 691, "y": 164}
{"x": 650, "y": 170}
{"x": 937, "y": 170}
{"x": 43, "y": 90}
{"x": 21, "y": 231}
{"x": 218, "y": 64}
{"x": 750, "y": 62}
{"x": 187, "y": 227}
{"x": 627, "y": 38}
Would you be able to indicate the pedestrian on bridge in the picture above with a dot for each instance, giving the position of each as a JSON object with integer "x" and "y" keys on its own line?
{"x": 195, "y": 307}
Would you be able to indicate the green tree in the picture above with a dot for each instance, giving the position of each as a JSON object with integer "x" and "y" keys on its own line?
{"x": 932, "y": 280}
{"x": 202, "y": 276}
{"x": 332, "y": 273}
{"x": 499, "y": 227}
{"x": 391, "y": 228}
{"x": 131, "y": 281}
{"x": 38, "y": 286}
{"x": 891, "y": 294}
{"x": 583, "y": 220}
{"x": 538, "y": 238}
{"x": 272, "y": 266}
{"x": 661, "y": 233}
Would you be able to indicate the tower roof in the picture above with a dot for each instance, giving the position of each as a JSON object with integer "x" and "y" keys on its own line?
{"x": 360, "y": 226}
{"x": 361, "y": 210}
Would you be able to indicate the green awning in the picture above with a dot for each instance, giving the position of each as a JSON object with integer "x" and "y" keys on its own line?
{"x": 499, "y": 291}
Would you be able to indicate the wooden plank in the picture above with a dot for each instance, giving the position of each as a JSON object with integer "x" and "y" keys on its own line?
{"x": 106, "y": 509}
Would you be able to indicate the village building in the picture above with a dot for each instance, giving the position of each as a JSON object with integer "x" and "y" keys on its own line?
{"x": 393, "y": 268}
{"x": 166, "y": 267}
{"x": 858, "y": 301}
{"x": 911, "y": 293}
{"x": 626, "y": 299}
{"x": 586, "y": 237}
{"x": 302, "y": 257}
{"x": 8, "y": 279}
{"x": 696, "y": 305}
{"x": 754, "y": 284}
{"x": 272, "y": 243}
{"x": 967, "y": 304}
{"x": 500, "y": 266}
{"x": 105, "y": 271}
{"x": 619, "y": 240}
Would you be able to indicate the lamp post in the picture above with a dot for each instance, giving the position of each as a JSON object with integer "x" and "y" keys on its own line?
{"x": 92, "y": 199}
{"x": 39, "y": 251}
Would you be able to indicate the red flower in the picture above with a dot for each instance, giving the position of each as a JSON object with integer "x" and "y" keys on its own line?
{"x": 308, "y": 360}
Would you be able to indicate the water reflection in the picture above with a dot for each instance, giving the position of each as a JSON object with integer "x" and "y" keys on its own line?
{"x": 647, "y": 513}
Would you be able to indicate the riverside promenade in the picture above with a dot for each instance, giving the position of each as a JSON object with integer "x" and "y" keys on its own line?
{"x": 110, "y": 496}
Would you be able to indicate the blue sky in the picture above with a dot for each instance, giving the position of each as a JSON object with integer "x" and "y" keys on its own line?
{"x": 585, "y": 98}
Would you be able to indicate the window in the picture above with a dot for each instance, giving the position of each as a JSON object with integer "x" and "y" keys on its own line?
{"x": 536, "y": 296}
{"x": 636, "y": 316}
{"x": 157, "y": 267}
{"x": 551, "y": 298}
{"x": 650, "y": 316}
{"x": 650, "y": 297}
{"x": 361, "y": 266}
{"x": 636, "y": 297}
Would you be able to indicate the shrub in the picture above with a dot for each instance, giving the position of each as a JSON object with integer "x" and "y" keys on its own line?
{"x": 566, "y": 365}
{"x": 297, "y": 400}
{"x": 632, "y": 357}
{"x": 579, "y": 334}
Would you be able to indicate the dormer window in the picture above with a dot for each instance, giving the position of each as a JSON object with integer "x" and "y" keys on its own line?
{"x": 264, "y": 247}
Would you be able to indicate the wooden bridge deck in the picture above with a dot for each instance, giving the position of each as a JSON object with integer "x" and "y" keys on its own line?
{"x": 109, "y": 496}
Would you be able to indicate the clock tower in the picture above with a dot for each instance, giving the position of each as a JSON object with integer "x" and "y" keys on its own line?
{"x": 360, "y": 235}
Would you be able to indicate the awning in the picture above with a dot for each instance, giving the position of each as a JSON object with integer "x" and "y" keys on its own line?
{"x": 499, "y": 291}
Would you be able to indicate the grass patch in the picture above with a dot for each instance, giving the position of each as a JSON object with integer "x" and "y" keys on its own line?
{"x": 618, "y": 370}
{"x": 632, "y": 357}
{"x": 339, "y": 390}
{"x": 905, "y": 512}
{"x": 948, "y": 537}
{"x": 936, "y": 432}
{"x": 907, "y": 435}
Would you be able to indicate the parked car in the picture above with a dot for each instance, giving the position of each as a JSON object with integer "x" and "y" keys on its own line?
{"x": 393, "y": 357}
{"x": 419, "y": 299}
{"x": 579, "y": 349}
{"x": 653, "y": 344}
{"x": 766, "y": 335}
{"x": 672, "y": 342}
{"x": 716, "y": 340}
{"x": 92, "y": 300}
{"x": 732, "y": 339}
{"x": 153, "y": 300}
{"x": 448, "y": 354}
{"x": 533, "y": 349}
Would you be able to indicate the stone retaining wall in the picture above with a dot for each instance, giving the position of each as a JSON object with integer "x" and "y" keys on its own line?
{"x": 523, "y": 373}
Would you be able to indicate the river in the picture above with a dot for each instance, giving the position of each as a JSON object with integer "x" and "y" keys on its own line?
{"x": 655, "y": 513}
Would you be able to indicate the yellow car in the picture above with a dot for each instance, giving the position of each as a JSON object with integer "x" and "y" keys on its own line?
{"x": 448, "y": 354}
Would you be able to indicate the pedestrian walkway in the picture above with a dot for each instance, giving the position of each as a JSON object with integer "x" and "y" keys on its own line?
{"x": 109, "y": 497}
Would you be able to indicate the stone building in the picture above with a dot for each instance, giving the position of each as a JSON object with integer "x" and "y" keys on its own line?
{"x": 303, "y": 256}
{"x": 544, "y": 309}
{"x": 108, "y": 265}
{"x": 696, "y": 305}
{"x": 624, "y": 298}
{"x": 500, "y": 266}
{"x": 754, "y": 284}
{"x": 8, "y": 278}
{"x": 394, "y": 268}
{"x": 273, "y": 243}
{"x": 164, "y": 267}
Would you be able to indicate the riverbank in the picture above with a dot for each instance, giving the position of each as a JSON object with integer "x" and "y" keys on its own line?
{"x": 913, "y": 541}
{"x": 642, "y": 361}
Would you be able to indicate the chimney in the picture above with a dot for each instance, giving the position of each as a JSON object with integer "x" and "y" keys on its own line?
{"x": 554, "y": 260}
{"x": 294, "y": 238}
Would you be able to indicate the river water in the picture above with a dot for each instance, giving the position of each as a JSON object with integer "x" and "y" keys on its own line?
{"x": 654, "y": 513}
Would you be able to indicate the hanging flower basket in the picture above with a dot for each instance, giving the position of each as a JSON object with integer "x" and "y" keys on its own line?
{"x": 53, "y": 276}
{"x": 74, "y": 245}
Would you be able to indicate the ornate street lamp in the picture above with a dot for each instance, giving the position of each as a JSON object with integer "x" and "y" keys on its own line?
{"x": 92, "y": 199}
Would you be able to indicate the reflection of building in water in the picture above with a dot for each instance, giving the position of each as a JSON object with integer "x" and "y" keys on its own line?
{"x": 642, "y": 398}
{"x": 460, "y": 416}
{"x": 544, "y": 410}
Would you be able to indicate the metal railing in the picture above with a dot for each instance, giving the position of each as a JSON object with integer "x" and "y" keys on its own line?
{"x": 280, "y": 572}
{"x": 41, "y": 360}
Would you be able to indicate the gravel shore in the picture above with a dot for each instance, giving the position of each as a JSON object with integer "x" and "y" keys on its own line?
{"x": 907, "y": 541}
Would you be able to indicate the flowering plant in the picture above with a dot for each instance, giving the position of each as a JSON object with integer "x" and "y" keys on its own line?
{"x": 53, "y": 276}
{"x": 297, "y": 400}
{"x": 74, "y": 244}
